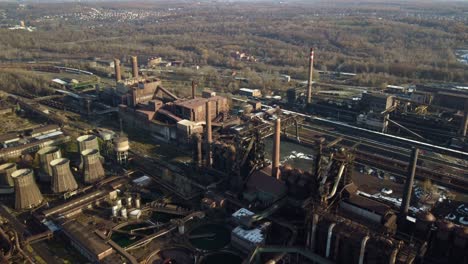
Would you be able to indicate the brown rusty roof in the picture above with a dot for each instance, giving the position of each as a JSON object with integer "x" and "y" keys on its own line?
{"x": 261, "y": 180}
{"x": 196, "y": 102}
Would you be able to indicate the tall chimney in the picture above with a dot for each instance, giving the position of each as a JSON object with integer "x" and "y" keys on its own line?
{"x": 209, "y": 136}
{"x": 118, "y": 74}
{"x": 194, "y": 85}
{"x": 198, "y": 158}
{"x": 135, "y": 66}
{"x": 409, "y": 184}
{"x": 309, "y": 82}
{"x": 276, "y": 150}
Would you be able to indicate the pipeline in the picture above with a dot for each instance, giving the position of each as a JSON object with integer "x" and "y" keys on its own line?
{"x": 329, "y": 238}
{"x": 337, "y": 181}
{"x": 314, "y": 231}
{"x": 363, "y": 249}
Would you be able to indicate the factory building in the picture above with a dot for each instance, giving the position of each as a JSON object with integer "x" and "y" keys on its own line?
{"x": 247, "y": 240}
{"x": 194, "y": 109}
{"x": 250, "y": 92}
{"x": 377, "y": 102}
{"x": 136, "y": 91}
{"x": 242, "y": 216}
{"x": 15, "y": 144}
{"x": 86, "y": 242}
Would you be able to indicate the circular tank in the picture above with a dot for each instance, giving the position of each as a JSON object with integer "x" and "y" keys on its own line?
{"x": 46, "y": 155}
{"x": 5, "y": 174}
{"x": 221, "y": 257}
{"x": 210, "y": 236}
{"x": 121, "y": 144}
{"x": 87, "y": 142}
{"x": 27, "y": 194}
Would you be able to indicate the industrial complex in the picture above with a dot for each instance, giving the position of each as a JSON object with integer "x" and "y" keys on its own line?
{"x": 376, "y": 177}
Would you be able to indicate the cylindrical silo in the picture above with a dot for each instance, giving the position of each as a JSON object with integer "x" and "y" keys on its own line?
{"x": 121, "y": 147}
{"x": 123, "y": 212}
{"x": 92, "y": 167}
{"x": 46, "y": 155}
{"x": 62, "y": 177}
{"x": 5, "y": 174}
{"x": 115, "y": 210}
{"x": 27, "y": 194}
{"x": 87, "y": 142}
{"x": 137, "y": 201}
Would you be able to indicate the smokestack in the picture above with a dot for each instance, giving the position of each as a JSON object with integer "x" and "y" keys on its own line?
{"x": 27, "y": 194}
{"x": 87, "y": 142}
{"x": 276, "y": 150}
{"x": 92, "y": 167}
{"x": 62, "y": 177}
{"x": 118, "y": 74}
{"x": 194, "y": 85}
{"x": 46, "y": 155}
{"x": 409, "y": 184}
{"x": 5, "y": 174}
{"x": 135, "y": 66}
{"x": 197, "y": 149}
{"x": 309, "y": 82}
{"x": 209, "y": 136}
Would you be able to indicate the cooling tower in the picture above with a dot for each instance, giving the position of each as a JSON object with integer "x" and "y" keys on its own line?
{"x": 92, "y": 167}
{"x": 27, "y": 194}
{"x": 121, "y": 148}
{"x": 62, "y": 177}
{"x": 5, "y": 174}
{"x": 46, "y": 155}
{"x": 87, "y": 142}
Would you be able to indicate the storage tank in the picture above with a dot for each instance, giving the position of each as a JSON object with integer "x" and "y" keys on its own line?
{"x": 46, "y": 155}
{"x": 121, "y": 147}
{"x": 62, "y": 177}
{"x": 92, "y": 166}
{"x": 129, "y": 201}
{"x": 87, "y": 142}
{"x": 123, "y": 212}
{"x": 5, "y": 174}
{"x": 137, "y": 201}
{"x": 115, "y": 210}
{"x": 27, "y": 194}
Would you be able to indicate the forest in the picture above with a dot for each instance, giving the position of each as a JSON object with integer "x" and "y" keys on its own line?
{"x": 382, "y": 41}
